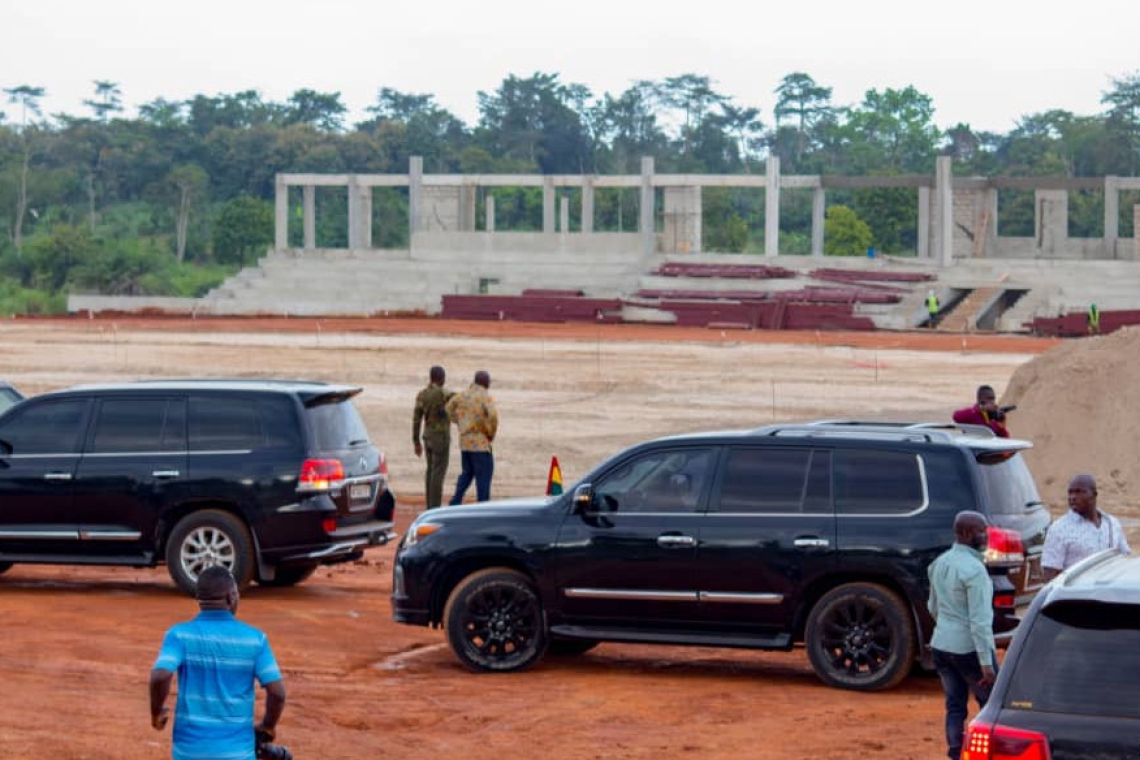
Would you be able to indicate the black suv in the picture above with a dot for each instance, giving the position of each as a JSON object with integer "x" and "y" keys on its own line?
{"x": 270, "y": 478}
{"x": 1068, "y": 687}
{"x": 819, "y": 533}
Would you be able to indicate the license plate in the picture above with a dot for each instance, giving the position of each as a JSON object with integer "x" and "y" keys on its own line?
{"x": 360, "y": 491}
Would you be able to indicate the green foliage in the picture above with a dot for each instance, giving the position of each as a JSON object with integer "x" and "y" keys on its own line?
{"x": 195, "y": 280}
{"x": 845, "y": 234}
{"x": 243, "y": 230}
{"x": 125, "y": 267}
{"x": 724, "y": 230}
{"x": 18, "y": 300}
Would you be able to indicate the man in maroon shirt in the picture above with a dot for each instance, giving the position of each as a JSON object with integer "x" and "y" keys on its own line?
{"x": 986, "y": 412}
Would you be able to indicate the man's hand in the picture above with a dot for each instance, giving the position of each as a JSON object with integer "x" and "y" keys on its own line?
{"x": 988, "y": 677}
{"x": 158, "y": 722}
{"x": 419, "y": 449}
{"x": 265, "y": 734}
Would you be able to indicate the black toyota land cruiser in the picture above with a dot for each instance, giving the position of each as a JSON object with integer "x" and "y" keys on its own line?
{"x": 817, "y": 533}
{"x": 270, "y": 478}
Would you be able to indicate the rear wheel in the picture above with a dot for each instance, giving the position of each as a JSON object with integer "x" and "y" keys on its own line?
{"x": 287, "y": 576}
{"x": 206, "y": 538}
{"x": 860, "y": 636}
{"x": 494, "y": 621}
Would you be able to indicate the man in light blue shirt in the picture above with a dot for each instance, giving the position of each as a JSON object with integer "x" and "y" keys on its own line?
{"x": 217, "y": 659}
{"x": 961, "y": 602}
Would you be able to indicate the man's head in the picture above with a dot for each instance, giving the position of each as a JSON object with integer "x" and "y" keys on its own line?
{"x": 482, "y": 377}
{"x": 987, "y": 399}
{"x": 1082, "y": 495}
{"x": 217, "y": 589}
{"x": 970, "y": 528}
{"x": 437, "y": 375}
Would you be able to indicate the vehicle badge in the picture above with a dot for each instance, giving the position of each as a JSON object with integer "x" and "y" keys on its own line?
{"x": 363, "y": 463}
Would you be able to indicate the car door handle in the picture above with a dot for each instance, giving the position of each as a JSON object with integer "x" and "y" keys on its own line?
{"x": 57, "y": 476}
{"x": 165, "y": 474}
{"x": 676, "y": 542}
{"x": 811, "y": 543}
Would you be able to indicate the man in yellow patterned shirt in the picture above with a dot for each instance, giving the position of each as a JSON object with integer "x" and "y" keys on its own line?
{"x": 474, "y": 412}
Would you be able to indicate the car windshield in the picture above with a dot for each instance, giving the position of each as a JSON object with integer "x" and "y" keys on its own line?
{"x": 1009, "y": 486}
{"x": 337, "y": 426}
{"x": 1077, "y": 653}
{"x": 8, "y": 397}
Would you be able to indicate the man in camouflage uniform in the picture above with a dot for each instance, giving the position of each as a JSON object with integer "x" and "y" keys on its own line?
{"x": 474, "y": 412}
{"x": 430, "y": 416}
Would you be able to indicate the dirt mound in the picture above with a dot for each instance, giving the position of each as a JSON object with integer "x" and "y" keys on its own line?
{"x": 1080, "y": 405}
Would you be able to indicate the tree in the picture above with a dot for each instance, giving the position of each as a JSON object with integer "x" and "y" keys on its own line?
{"x": 694, "y": 97}
{"x": 243, "y": 230}
{"x": 530, "y": 120}
{"x": 321, "y": 110}
{"x": 28, "y": 98}
{"x": 107, "y": 99}
{"x": 190, "y": 183}
{"x": 845, "y": 234}
{"x": 800, "y": 98}
{"x": 893, "y": 130}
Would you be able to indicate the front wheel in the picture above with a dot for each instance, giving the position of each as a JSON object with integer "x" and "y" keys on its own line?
{"x": 860, "y": 636}
{"x": 494, "y": 621}
{"x": 210, "y": 537}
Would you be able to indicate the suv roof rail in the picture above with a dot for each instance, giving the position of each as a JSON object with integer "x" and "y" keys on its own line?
{"x": 903, "y": 431}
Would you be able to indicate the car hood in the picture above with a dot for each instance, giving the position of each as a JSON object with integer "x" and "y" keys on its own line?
{"x": 487, "y": 509}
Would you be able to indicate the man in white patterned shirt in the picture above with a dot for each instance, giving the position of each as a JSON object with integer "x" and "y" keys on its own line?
{"x": 1082, "y": 531}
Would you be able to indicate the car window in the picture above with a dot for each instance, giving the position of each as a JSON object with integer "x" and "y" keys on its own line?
{"x": 768, "y": 480}
{"x": 869, "y": 482}
{"x": 220, "y": 423}
{"x": 125, "y": 425}
{"x": 1077, "y": 653}
{"x": 336, "y": 426}
{"x": 660, "y": 481}
{"x": 8, "y": 397}
{"x": 50, "y": 427}
{"x": 1009, "y": 486}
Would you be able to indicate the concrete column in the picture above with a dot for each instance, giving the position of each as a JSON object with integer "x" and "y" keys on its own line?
{"x": 564, "y": 215}
{"x": 415, "y": 195}
{"x": 281, "y": 215}
{"x": 467, "y": 208}
{"x": 1052, "y": 225}
{"x": 818, "y": 221}
{"x": 990, "y": 201}
{"x": 645, "y": 221}
{"x": 682, "y": 223}
{"x": 365, "y": 216}
{"x": 923, "y": 251}
{"x": 354, "y": 240}
{"x": 489, "y": 212}
{"x": 548, "y": 205}
{"x": 944, "y": 218}
{"x": 587, "y": 224}
{"x": 1136, "y": 229}
{"x": 1111, "y": 215}
{"x": 772, "y": 207}
{"x": 309, "y": 216}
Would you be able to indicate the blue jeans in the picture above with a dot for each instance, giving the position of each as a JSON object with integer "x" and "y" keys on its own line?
{"x": 478, "y": 466}
{"x": 960, "y": 674}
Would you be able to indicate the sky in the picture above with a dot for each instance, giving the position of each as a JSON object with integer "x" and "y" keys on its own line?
{"x": 986, "y": 63}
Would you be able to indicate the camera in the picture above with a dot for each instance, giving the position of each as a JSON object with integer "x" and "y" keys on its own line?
{"x": 266, "y": 750}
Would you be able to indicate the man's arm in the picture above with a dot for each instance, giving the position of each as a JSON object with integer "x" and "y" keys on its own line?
{"x": 980, "y": 608}
{"x": 274, "y": 706}
{"x": 491, "y": 424}
{"x": 417, "y": 423}
{"x": 1052, "y": 555}
{"x": 160, "y": 680}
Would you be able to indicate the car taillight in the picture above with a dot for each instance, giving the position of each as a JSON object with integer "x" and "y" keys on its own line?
{"x": 1004, "y": 547}
{"x": 319, "y": 474}
{"x": 1005, "y": 600}
{"x": 986, "y": 742}
{"x": 329, "y": 524}
{"x": 382, "y": 468}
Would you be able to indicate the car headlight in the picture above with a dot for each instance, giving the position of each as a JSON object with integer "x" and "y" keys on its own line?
{"x": 420, "y": 531}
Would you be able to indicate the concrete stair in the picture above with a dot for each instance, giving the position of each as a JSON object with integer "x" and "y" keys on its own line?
{"x": 964, "y": 316}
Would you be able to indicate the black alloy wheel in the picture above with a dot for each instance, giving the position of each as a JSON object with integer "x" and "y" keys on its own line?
{"x": 494, "y": 621}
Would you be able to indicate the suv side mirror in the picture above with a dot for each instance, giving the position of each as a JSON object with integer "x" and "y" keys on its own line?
{"x": 584, "y": 498}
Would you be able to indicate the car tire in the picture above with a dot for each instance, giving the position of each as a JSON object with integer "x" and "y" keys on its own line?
{"x": 5, "y": 567}
{"x": 284, "y": 577}
{"x": 860, "y": 636}
{"x": 561, "y": 647}
{"x": 209, "y": 537}
{"x": 495, "y": 622}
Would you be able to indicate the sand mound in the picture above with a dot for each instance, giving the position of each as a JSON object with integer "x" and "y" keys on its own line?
{"x": 1080, "y": 405}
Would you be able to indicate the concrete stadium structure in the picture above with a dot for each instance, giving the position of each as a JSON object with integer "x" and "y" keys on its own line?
{"x": 986, "y": 280}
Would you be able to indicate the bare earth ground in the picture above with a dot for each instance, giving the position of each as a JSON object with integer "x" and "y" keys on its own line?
{"x": 78, "y": 643}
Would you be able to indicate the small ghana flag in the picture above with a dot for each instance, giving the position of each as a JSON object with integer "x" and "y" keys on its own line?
{"x": 554, "y": 479}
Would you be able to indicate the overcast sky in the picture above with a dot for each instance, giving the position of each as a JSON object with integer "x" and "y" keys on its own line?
{"x": 983, "y": 62}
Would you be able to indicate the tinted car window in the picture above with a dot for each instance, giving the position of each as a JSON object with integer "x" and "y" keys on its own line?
{"x": 1008, "y": 485}
{"x": 127, "y": 425}
{"x": 8, "y": 397}
{"x": 877, "y": 482}
{"x": 279, "y": 421}
{"x": 765, "y": 480}
{"x": 51, "y": 427}
{"x": 659, "y": 481}
{"x": 1080, "y": 652}
{"x": 224, "y": 424}
{"x": 336, "y": 425}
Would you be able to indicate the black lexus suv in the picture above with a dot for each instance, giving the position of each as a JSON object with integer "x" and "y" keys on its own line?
{"x": 1069, "y": 686}
{"x": 817, "y": 533}
{"x": 271, "y": 478}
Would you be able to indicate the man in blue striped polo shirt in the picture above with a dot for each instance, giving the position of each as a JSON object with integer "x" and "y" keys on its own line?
{"x": 217, "y": 659}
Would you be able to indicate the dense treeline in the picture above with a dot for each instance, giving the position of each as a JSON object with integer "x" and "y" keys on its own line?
{"x": 173, "y": 199}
